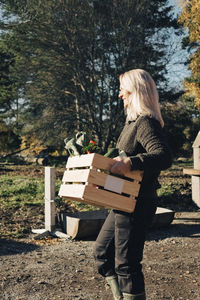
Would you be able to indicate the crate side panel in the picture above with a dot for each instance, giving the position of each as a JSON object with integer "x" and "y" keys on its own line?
{"x": 106, "y": 163}
{"x": 131, "y": 188}
{"x": 96, "y": 177}
{"x": 109, "y": 200}
{"x": 72, "y": 190}
{"x": 76, "y": 175}
{"x": 103, "y": 162}
{"x": 99, "y": 178}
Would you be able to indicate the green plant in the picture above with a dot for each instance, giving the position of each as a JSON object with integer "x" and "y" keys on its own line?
{"x": 19, "y": 190}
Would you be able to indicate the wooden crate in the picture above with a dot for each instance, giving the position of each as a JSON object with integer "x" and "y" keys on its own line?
{"x": 87, "y": 179}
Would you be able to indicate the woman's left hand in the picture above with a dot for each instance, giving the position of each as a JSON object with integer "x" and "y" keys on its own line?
{"x": 122, "y": 165}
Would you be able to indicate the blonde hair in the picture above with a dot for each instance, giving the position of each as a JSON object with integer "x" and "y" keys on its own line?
{"x": 143, "y": 95}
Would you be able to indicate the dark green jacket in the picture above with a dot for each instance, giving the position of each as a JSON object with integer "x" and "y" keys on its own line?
{"x": 144, "y": 142}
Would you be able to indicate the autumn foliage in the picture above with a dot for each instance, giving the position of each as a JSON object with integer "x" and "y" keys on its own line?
{"x": 190, "y": 17}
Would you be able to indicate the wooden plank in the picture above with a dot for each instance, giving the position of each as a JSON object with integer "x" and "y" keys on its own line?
{"x": 94, "y": 159}
{"x": 106, "y": 163}
{"x": 196, "y": 190}
{"x": 103, "y": 162}
{"x": 131, "y": 188}
{"x": 109, "y": 200}
{"x": 191, "y": 172}
{"x": 72, "y": 190}
{"x": 84, "y": 224}
{"x": 196, "y": 156}
{"x": 49, "y": 183}
{"x": 100, "y": 199}
{"x": 72, "y": 226}
{"x": 76, "y": 175}
{"x": 99, "y": 178}
{"x": 77, "y": 161}
{"x": 50, "y": 207}
{"x": 100, "y": 162}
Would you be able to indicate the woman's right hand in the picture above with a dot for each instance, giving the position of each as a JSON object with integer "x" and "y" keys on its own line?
{"x": 122, "y": 165}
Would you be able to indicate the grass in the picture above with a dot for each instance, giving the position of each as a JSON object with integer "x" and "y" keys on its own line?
{"x": 22, "y": 197}
{"x": 166, "y": 191}
{"x": 22, "y": 204}
{"x": 18, "y": 191}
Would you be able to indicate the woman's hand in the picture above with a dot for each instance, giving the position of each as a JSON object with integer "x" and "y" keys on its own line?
{"x": 122, "y": 165}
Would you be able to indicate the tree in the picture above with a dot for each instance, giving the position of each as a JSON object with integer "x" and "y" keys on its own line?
{"x": 69, "y": 55}
{"x": 8, "y": 86}
{"x": 9, "y": 141}
{"x": 9, "y": 104}
{"x": 181, "y": 128}
{"x": 190, "y": 17}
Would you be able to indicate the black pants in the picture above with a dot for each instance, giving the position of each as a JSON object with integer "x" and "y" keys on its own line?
{"x": 120, "y": 243}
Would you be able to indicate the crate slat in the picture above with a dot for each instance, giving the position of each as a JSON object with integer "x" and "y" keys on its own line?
{"x": 76, "y": 175}
{"x": 100, "y": 162}
{"x": 72, "y": 190}
{"x": 80, "y": 161}
{"x": 100, "y": 179}
{"x": 105, "y": 199}
{"x": 109, "y": 200}
{"x": 191, "y": 172}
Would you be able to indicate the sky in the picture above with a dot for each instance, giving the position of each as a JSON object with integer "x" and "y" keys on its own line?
{"x": 176, "y": 67}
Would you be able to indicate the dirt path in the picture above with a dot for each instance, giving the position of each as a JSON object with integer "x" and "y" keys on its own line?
{"x": 55, "y": 269}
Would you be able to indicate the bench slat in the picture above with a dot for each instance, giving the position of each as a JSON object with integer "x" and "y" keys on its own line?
{"x": 191, "y": 172}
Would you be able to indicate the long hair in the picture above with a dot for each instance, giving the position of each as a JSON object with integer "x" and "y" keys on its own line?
{"x": 143, "y": 95}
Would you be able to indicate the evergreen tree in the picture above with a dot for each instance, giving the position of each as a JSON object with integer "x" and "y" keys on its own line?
{"x": 69, "y": 55}
{"x": 8, "y": 86}
{"x": 9, "y": 103}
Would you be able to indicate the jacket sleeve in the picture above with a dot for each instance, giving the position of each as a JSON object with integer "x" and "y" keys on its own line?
{"x": 157, "y": 155}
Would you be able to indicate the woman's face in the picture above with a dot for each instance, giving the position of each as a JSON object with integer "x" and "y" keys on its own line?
{"x": 124, "y": 95}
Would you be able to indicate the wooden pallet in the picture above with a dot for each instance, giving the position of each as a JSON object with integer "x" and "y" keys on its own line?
{"x": 87, "y": 179}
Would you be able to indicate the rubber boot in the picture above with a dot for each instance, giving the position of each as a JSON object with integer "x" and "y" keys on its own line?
{"x": 113, "y": 283}
{"x": 140, "y": 296}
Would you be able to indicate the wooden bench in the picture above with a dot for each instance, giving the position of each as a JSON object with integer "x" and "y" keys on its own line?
{"x": 195, "y": 173}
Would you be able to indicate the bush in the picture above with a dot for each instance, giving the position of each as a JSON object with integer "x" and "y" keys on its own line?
{"x": 182, "y": 125}
{"x": 9, "y": 141}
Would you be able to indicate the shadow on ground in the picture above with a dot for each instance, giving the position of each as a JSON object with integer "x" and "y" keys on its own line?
{"x": 174, "y": 230}
{"x": 11, "y": 247}
{"x": 170, "y": 231}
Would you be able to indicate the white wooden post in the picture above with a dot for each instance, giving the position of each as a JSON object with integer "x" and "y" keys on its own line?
{"x": 50, "y": 208}
{"x": 196, "y": 179}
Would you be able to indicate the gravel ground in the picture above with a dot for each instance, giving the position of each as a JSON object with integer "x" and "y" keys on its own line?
{"x": 64, "y": 269}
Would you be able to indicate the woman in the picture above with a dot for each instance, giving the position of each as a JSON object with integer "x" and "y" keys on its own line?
{"x": 119, "y": 247}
